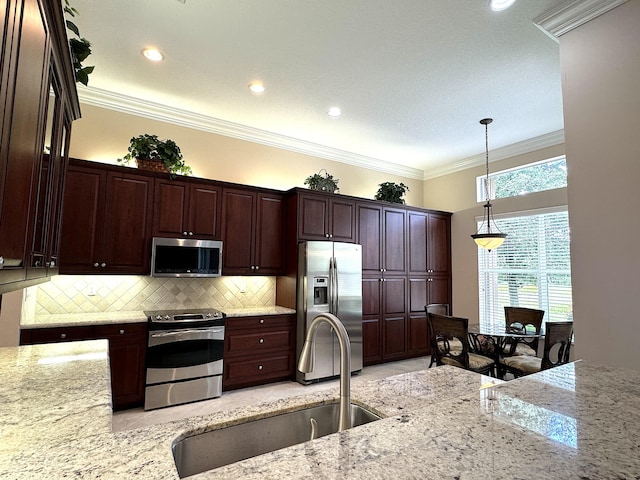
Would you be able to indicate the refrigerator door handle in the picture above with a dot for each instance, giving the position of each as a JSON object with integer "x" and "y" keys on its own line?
{"x": 335, "y": 295}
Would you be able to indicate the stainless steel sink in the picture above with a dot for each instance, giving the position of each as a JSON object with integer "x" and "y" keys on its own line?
{"x": 209, "y": 450}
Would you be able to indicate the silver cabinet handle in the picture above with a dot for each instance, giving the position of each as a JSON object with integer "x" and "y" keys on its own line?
{"x": 259, "y": 367}
{"x": 63, "y": 335}
{"x": 96, "y": 264}
{"x": 184, "y": 233}
{"x": 103, "y": 264}
{"x": 261, "y": 340}
{"x": 257, "y": 267}
{"x": 262, "y": 320}
{"x": 122, "y": 332}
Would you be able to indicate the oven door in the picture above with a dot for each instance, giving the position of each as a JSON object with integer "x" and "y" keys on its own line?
{"x": 184, "y": 354}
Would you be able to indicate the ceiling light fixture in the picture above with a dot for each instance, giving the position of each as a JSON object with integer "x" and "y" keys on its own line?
{"x": 334, "y": 112}
{"x": 153, "y": 54}
{"x": 499, "y": 5}
{"x": 256, "y": 87}
{"x": 484, "y": 237}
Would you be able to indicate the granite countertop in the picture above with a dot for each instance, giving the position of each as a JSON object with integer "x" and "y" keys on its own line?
{"x": 78, "y": 319}
{"x": 575, "y": 421}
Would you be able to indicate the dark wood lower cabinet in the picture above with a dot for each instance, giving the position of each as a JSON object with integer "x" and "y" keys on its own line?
{"x": 258, "y": 350}
{"x": 127, "y": 348}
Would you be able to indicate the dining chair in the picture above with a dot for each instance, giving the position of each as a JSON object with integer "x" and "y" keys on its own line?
{"x": 441, "y": 309}
{"x": 557, "y": 346}
{"x": 446, "y": 333}
{"x": 518, "y": 319}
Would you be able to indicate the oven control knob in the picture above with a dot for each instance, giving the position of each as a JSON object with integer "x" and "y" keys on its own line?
{"x": 208, "y": 315}
{"x": 158, "y": 317}
{"x": 167, "y": 317}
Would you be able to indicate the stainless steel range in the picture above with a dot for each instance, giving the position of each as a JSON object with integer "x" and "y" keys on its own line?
{"x": 184, "y": 356}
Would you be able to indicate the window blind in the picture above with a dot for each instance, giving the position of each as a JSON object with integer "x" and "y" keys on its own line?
{"x": 531, "y": 269}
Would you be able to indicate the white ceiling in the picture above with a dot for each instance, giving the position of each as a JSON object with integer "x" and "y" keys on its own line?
{"x": 413, "y": 77}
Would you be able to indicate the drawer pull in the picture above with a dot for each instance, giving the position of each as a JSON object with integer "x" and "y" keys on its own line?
{"x": 63, "y": 335}
{"x": 259, "y": 367}
{"x": 121, "y": 332}
{"x": 262, "y": 320}
{"x": 261, "y": 340}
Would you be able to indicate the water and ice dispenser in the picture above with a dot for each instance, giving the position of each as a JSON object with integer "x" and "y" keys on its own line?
{"x": 321, "y": 290}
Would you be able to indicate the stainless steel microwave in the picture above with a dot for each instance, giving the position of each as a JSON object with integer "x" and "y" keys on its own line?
{"x": 186, "y": 257}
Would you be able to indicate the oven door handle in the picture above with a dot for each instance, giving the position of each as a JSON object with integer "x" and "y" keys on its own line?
{"x": 159, "y": 338}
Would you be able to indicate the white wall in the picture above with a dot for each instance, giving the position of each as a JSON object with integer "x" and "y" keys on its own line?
{"x": 601, "y": 95}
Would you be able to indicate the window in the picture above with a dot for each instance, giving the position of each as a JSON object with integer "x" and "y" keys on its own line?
{"x": 531, "y": 269}
{"x": 535, "y": 177}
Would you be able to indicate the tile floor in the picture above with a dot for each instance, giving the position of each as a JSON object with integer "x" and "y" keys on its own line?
{"x": 135, "y": 418}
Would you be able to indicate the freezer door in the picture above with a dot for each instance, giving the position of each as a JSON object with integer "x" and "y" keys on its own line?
{"x": 314, "y": 296}
{"x": 348, "y": 299}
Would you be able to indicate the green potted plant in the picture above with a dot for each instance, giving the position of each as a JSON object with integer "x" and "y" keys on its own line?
{"x": 157, "y": 155}
{"x": 325, "y": 183}
{"x": 391, "y": 192}
{"x": 79, "y": 47}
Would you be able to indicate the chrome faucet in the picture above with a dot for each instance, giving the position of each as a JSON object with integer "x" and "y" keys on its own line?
{"x": 305, "y": 364}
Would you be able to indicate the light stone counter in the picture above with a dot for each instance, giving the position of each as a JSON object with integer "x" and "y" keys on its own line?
{"x": 576, "y": 421}
{"x": 78, "y": 319}
{"x": 257, "y": 311}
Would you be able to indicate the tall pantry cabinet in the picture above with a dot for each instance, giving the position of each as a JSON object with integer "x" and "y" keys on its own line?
{"x": 39, "y": 101}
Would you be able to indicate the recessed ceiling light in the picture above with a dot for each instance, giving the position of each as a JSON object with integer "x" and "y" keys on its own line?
{"x": 256, "y": 87}
{"x": 153, "y": 54}
{"x": 498, "y": 5}
{"x": 334, "y": 112}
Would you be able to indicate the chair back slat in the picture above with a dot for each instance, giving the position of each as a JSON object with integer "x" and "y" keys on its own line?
{"x": 518, "y": 318}
{"x": 557, "y": 343}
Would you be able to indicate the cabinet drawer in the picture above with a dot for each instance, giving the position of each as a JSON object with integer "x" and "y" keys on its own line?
{"x": 57, "y": 334}
{"x": 259, "y": 369}
{"x": 115, "y": 330}
{"x": 261, "y": 341}
{"x": 252, "y": 323}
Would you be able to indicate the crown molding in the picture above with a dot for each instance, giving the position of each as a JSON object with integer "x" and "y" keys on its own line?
{"x": 155, "y": 111}
{"x": 571, "y": 14}
{"x": 527, "y": 146}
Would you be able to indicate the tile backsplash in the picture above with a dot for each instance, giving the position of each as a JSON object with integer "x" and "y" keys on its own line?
{"x": 113, "y": 293}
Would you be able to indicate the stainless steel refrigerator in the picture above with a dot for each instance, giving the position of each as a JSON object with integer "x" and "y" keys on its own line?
{"x": 329, "y": 280}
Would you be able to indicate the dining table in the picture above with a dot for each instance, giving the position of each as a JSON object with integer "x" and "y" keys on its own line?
{"x": 495, "y": 340}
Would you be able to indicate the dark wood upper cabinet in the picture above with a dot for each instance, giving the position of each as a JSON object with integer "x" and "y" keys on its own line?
{"x": 439, "y": 244}
{"x": 106, "y": 226}
{"x": 252, "y": 232}
{"x": 189, "y": 210}
{"x": 382, "y": 233}
{"x": 38, "y": 101}
{"x": 322, "y": 217}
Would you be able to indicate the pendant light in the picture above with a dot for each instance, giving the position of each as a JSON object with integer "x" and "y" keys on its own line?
{"x": 488, "y": 236}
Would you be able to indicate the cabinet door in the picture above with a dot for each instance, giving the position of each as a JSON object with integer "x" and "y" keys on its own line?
{"x": 170, "y": 208}
{"x": 369, "y": 235}
{"x": 238, "y": 231}
{"x": 127, "y": 349}
{"x": 418, "y": 335}
{"x": 417, "y": 237}
{"x": 269, "y": 235}
{"x": 80, "y": 244}
{"x": 21, "y": 142}
{"x": 394, "y": 317}
{"x": 394, "y": 241}
{"x": 439, "y": 289}
{"x": 205, "y": 204}
{"x": 313, "y": 216}
{"x": 342, "y": 221}
{"x": 126, "y": 229}
{"x": 439, "y": 244}
{"x": 371, "y": 340}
